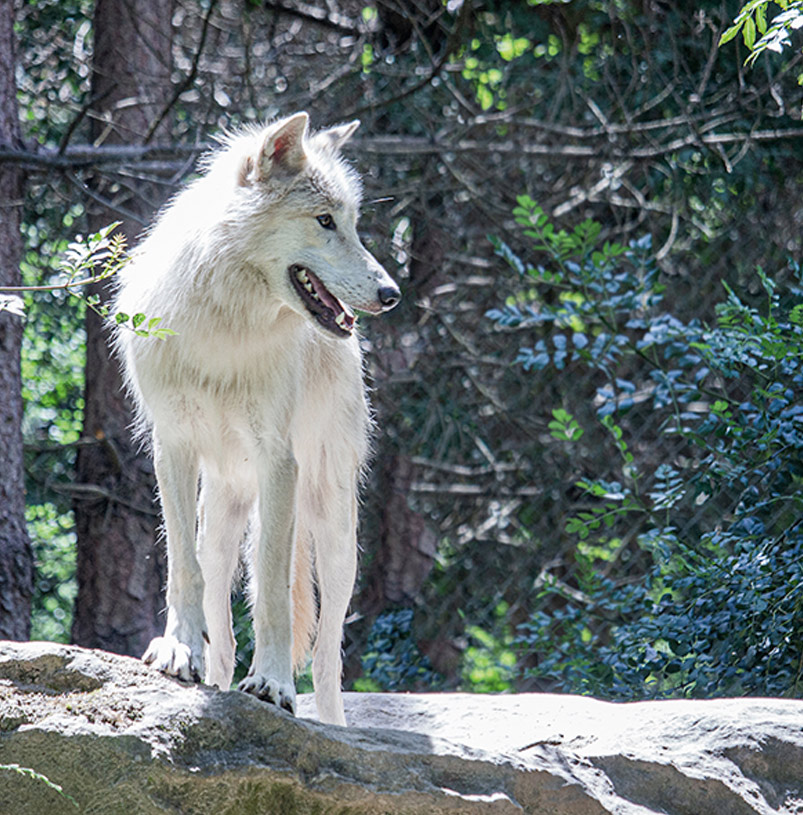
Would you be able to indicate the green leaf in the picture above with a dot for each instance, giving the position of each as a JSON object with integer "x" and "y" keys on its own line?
{"x": 575, "y": 526}
{"x": 593, "y": 487}
{"x": 761, "y": 19}
{"x": 138, "y": 319}
{"x": 730, "y": 33}
{"x": 163, "y": 333}
{"x": 749, "y": 33}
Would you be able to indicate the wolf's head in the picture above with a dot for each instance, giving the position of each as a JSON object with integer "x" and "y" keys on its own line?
{"x": 307, "y": 234}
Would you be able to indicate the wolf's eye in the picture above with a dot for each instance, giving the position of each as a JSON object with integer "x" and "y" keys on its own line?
{"x": 327, "y": 221}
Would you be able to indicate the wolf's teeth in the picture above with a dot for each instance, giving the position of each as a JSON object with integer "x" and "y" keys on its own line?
{"x": 301, "y": 276}
{"x": 340, "y": 320}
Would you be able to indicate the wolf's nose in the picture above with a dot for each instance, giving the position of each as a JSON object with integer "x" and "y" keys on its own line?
{"x": 389, "y": 297}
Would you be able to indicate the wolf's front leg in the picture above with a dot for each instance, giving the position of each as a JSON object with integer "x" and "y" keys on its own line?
{"x": 271, "y": 675}
{"x": 180, "y": 652}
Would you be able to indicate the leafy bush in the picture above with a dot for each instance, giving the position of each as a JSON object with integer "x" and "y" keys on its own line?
{"x": 717, "y": 607}
{"x": 489, "y": 662}
{"x": 391, "y": 660}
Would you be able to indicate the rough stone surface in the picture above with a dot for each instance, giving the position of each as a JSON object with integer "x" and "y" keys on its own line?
{"x": 120, "y": 738}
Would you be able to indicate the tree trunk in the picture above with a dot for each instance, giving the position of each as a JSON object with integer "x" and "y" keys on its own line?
{"x": 16, "y": 557}
{"x": 120, "y": 568}
{"x": 407, "y": 544}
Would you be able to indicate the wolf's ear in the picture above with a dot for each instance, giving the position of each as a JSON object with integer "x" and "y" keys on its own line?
{"x": 336, "y": 137}
{"x": 283, "y": 148}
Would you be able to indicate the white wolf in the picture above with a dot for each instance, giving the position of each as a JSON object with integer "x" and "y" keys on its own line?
{"x": 259, "y": 398}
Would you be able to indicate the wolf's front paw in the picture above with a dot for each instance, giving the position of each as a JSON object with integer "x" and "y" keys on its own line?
{"x": 172, "y": 657}
{"x": 269, "y": 689}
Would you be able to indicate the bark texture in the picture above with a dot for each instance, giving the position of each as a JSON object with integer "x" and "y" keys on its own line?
{"x": 16, "y": 558}
{"x": 120, "y": 567}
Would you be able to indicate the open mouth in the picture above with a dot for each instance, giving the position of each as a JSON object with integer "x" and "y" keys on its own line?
{"x": 330, "y": 313}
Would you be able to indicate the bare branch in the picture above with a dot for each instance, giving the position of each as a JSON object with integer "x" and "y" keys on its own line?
{"x": 93, "y": 156}
{"x": 85, "y": 108}
{"x": 70, "y": 284}
{"x": 188, "y": 80}
{"x": 125, "y": 212}
{"x": 165, "y": 157}
{"x": 313, "y": 14}
{"x": 96, "y": 492}
{"x": 472, "y": 489}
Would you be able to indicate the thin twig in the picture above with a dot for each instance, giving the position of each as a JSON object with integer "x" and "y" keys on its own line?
{"x": 312, "y": 14}
{"x": 128, "y": 214}
{"x": 188, "y": 80}
{"x": 85, "y": 108}
{"x": 88, "y": 155}
{"x": 90, "y": 491}
{"x": 57, "y": 286}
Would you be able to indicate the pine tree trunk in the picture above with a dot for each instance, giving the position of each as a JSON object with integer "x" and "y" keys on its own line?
{"x": 120, "y": 565}
{"x": 16, "y": 557}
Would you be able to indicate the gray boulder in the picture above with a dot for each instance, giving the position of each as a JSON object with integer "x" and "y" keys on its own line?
{"x": 86, "y": 731}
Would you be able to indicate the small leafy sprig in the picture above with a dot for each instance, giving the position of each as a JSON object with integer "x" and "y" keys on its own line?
{"x": 88, "y": 261}
{"x": 142, "y": 325}
{"x": 758, "y": 33}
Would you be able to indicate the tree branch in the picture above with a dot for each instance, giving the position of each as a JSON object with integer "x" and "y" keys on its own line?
{"x": 91, "y": 156}
{"x": 188, "y": 80}
{"x": 170, "y": 157}
{"x": 313, "y": 14}
{"x": 85, "y": 108}
{"x": 125, "y": 212}
{"x": 90, "y": 492}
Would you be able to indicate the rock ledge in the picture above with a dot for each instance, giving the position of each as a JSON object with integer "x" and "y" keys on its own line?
{"x": 117, "y": 737}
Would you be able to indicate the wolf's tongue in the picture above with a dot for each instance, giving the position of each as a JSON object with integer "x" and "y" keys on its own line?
{"x": 329, "y": 300}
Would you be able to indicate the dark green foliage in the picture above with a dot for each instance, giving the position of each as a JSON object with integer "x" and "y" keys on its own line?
{"x": 724, "y": 620}
{"x": 391, "y": 660}
{"x": 52, "y": 376}
{"x": 717, "y": 607}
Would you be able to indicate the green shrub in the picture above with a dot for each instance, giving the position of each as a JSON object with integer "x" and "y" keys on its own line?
{"x": 391, "y": 660}
{"x": 717, "y": 606}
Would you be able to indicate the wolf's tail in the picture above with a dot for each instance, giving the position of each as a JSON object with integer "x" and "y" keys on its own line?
{"x": 305, "y": 612}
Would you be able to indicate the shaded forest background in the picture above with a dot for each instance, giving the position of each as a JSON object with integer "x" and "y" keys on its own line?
{"x": 539, "y": 515}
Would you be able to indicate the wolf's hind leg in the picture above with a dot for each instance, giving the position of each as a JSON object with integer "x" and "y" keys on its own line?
{"x": 180, "y": 652}
{"x": 222, "y": 518}
{"x": 335, "y": 535}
